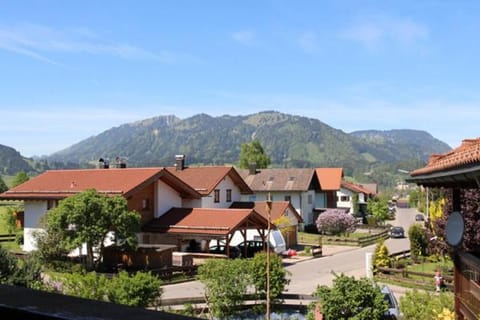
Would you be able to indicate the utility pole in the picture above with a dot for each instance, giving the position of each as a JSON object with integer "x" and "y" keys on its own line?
{"x": 269, "y": 209}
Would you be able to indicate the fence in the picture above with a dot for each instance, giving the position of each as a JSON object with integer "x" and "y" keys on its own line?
{"x": 7, "y": 237}
{"x": 357, "y": 242}
{"x": 405, "y": 276}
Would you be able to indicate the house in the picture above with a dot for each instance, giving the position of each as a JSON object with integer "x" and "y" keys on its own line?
{"x": 458, "y": 173}
{"x": 351, "y": 192}
{"x": 279, "y": 209}
{"x": 297, "y": 186}
{"x": 149, "y": 191}
{"x": 218, "y": 186}
{"x": 326, "y": 197}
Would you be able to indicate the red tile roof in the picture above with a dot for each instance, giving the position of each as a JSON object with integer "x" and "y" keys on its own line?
{"x": 205, "y": 179}
{"x": 355, "y": 188}
{"x": 329, "y": 178}
{"x": 467, "y": 154}
{"x": 279, "y": 179}
{"x": 59, "y": 184}
{"x": 205, "y": 221}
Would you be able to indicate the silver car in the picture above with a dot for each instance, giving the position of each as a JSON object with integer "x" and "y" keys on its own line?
{"x": 393, "y": 309}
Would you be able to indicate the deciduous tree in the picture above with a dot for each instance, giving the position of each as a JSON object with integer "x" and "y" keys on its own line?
{"x": 89, "y": 219}
{"x": 253, "y": 153}
{"x": 20, "y": 178}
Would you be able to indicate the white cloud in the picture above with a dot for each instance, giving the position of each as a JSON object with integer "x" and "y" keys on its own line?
{"x": 374, "y": 32}
{"x": 244, "y": 37}
{"x": 37, "y": 41}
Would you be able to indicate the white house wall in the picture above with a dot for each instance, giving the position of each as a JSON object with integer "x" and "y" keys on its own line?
{"x": 34, "y": 210}
{"x": 223, "y": 186}
{"x": 166, "y": 198}
{"x": 345, "y": 204}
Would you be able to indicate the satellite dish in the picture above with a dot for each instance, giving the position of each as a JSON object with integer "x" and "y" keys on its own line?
{"x": 454, "y": 229}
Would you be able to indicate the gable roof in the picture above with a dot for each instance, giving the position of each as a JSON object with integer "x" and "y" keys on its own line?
{"x": 205, "y": 179}
{"x": 59, "y": 184}
{"x": 355, "y": 187}
{"x": 277, "y": 210}
{"x": 330, "y": 179}
{"x": 279, "y": 179}
{"x": 205, "y": 221}
{"x": 460, "y": 166}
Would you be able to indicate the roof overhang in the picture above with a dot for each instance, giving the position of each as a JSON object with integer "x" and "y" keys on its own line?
{"x": 466, "y": 177}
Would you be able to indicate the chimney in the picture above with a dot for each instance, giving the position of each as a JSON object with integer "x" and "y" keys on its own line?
{"x": 252, "y": 168}
{"x": 120, "y": 162}
{"x": 103, "y": 163}
{"x": 180, "y": 162}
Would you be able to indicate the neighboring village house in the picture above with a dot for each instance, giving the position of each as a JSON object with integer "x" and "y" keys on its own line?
{"x": 297, "y": 186}
{"x": 281, "y": 211}
{"x": 152, "y": 192}
{"x": 149, "y": 191}
{"x": 351, "y": 192}
{"x": 457, "y": 171}
{"x": 330, "y": 180}
{"x": 219, "y": 186}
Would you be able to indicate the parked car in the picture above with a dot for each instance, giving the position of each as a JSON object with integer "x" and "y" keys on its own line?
{"x": 221, "y": 249}
{"x": 393, "y": 312}
{"x": 253, "y": 246}
{"x": 419, "y": 217}
{"x": 397, "y": 232}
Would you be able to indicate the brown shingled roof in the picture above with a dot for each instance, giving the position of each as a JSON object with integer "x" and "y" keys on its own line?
{"x": 278, "y": 208}
{"x": 279, "y": 179}
{"x": 355, "y": 187}
{"x": 205, "y": 179}
{"x": 205, "y": 221}
{"x": 329, "y": 178}
{"x": 59, "y": 184}
{"x": 467, "y": 154}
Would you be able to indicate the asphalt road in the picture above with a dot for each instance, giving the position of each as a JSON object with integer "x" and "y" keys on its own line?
{"x": 305, "y": 276}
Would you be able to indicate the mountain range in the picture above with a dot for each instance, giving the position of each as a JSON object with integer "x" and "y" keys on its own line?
{"x": 289, "y": 140}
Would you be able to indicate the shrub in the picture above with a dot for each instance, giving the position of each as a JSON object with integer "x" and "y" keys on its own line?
{"x": 381, "y": 256}
{"x": 335, "y": 222}
{"x": 226, "y": 283}
{"x": 425, "y": 305}
{"x": 349, "y": 298}
{"x": 258, "y": 269}
{"x": 139, "y": 290}
{"x": 418, "y": 240}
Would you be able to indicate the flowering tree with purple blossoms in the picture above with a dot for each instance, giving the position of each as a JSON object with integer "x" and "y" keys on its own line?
{"x": 335, "y": 222}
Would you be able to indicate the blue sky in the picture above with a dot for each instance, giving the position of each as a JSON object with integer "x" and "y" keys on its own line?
{"x": 73, "y": 69}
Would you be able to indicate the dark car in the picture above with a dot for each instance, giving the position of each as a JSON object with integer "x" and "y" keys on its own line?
{"x": 234, "y": 251}
{"x": 397, "y": 232}
{"x": 252, "y": 247}
{"x": 419, "y": 217}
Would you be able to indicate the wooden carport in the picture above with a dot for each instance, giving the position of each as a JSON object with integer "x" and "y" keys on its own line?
{"x": 208, "y": 224}
{"x": 458, "y": 171}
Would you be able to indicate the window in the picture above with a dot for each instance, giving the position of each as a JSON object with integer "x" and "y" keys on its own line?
{"x": 310, "y": 199}
{"x": 216, "y": 194}
{"x": 229, "y": 195}
{"x": 344, "y": 198}
{"x": 146, "y": 204}
{"x": 51, "y": 204}
{"x": 288, "y": 198}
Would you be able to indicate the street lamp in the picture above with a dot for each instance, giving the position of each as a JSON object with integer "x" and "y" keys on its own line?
{"x": 269, "y": 209}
